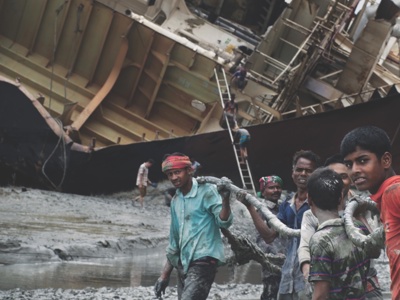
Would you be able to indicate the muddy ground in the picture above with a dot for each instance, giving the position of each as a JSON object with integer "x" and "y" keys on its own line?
{"x": 43, "y": 226}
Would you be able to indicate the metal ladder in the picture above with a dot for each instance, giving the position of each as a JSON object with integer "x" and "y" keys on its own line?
{"x": 244, "y": 169}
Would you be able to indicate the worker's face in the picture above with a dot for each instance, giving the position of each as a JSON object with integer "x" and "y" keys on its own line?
{"x": 341, "y": 169}
{"x": 180, "y": 178}
{"x": 301, "y": 171}
{"x": 272, "y": 192}
{"x": 366, "y": 170}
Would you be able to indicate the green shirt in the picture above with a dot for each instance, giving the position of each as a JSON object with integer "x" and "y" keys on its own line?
{"x": 195, "y": 223}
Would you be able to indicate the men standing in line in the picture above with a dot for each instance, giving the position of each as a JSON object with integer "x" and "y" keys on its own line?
{"x": 367, "y": 155}
{"x": 142, "y": 180}
{"x": 310, "y": 224}
{"x": 271, "y": 191}
{"x": 291, "y": 212}
{"x": 195, "y": 245}
{"x": 292, "y": 285}
{"x": 338, "y": 267}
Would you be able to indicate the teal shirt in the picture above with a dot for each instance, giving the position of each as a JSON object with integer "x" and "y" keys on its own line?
{"x": 195, "y": 223}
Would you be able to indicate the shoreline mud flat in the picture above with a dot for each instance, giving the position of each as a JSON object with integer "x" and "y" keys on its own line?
{"x": 43, "y": 226}
{"x": 231, "y": 292}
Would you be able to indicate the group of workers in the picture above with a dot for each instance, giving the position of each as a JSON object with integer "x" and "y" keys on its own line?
{"x": 323, "y": 263}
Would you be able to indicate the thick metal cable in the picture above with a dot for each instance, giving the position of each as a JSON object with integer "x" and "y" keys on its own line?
{"x": 376, "y": 238}
{"x": 273, "y": 221}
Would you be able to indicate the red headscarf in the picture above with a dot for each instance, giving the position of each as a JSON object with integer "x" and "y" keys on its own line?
{"x": 175, "y": 162}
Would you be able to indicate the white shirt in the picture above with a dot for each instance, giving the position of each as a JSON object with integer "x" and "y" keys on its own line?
{"x": 142, "y": 175}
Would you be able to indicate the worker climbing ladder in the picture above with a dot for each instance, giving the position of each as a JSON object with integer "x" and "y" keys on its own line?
{"x": 244, "y": 168}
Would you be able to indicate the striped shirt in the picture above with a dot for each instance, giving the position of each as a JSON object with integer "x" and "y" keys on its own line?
{"x": 336, "y": 259}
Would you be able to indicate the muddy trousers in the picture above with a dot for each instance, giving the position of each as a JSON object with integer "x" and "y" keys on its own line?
{"x": 196, "y": 283}
{"x": 271, "y": 287}
{"x": 301, "y": 295}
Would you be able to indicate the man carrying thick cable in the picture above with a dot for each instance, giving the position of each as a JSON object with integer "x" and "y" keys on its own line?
{"x": 293, "y": 285}
{"x": 271, "y": 191}
{"x": 195, "y": 246}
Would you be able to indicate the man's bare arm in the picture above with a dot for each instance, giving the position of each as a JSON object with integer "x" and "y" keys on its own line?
{"x": 226, "y": 207}
{"x": 267, "y": 233}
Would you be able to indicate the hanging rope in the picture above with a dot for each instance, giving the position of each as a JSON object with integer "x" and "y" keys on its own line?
{"x": 53, "y": 56}
{"x": 64, "y": 160}
{"x": 61, "y": 139}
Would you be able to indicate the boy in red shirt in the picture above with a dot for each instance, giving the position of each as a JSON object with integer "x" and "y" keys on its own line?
{"x": 366, "y": 152}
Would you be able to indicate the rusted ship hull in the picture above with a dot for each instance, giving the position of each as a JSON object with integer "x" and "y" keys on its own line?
{"x": 114, "y": 77}
{"x": 31, "y": 153}
{"x": 105, "y": 89}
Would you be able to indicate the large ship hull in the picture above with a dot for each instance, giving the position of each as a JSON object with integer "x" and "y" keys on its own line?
{"x": 33, "y": 154}
{"x": 91, "y": 90}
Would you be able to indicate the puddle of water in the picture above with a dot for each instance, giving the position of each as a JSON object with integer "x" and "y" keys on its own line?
{"x": 142, "y": 269}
